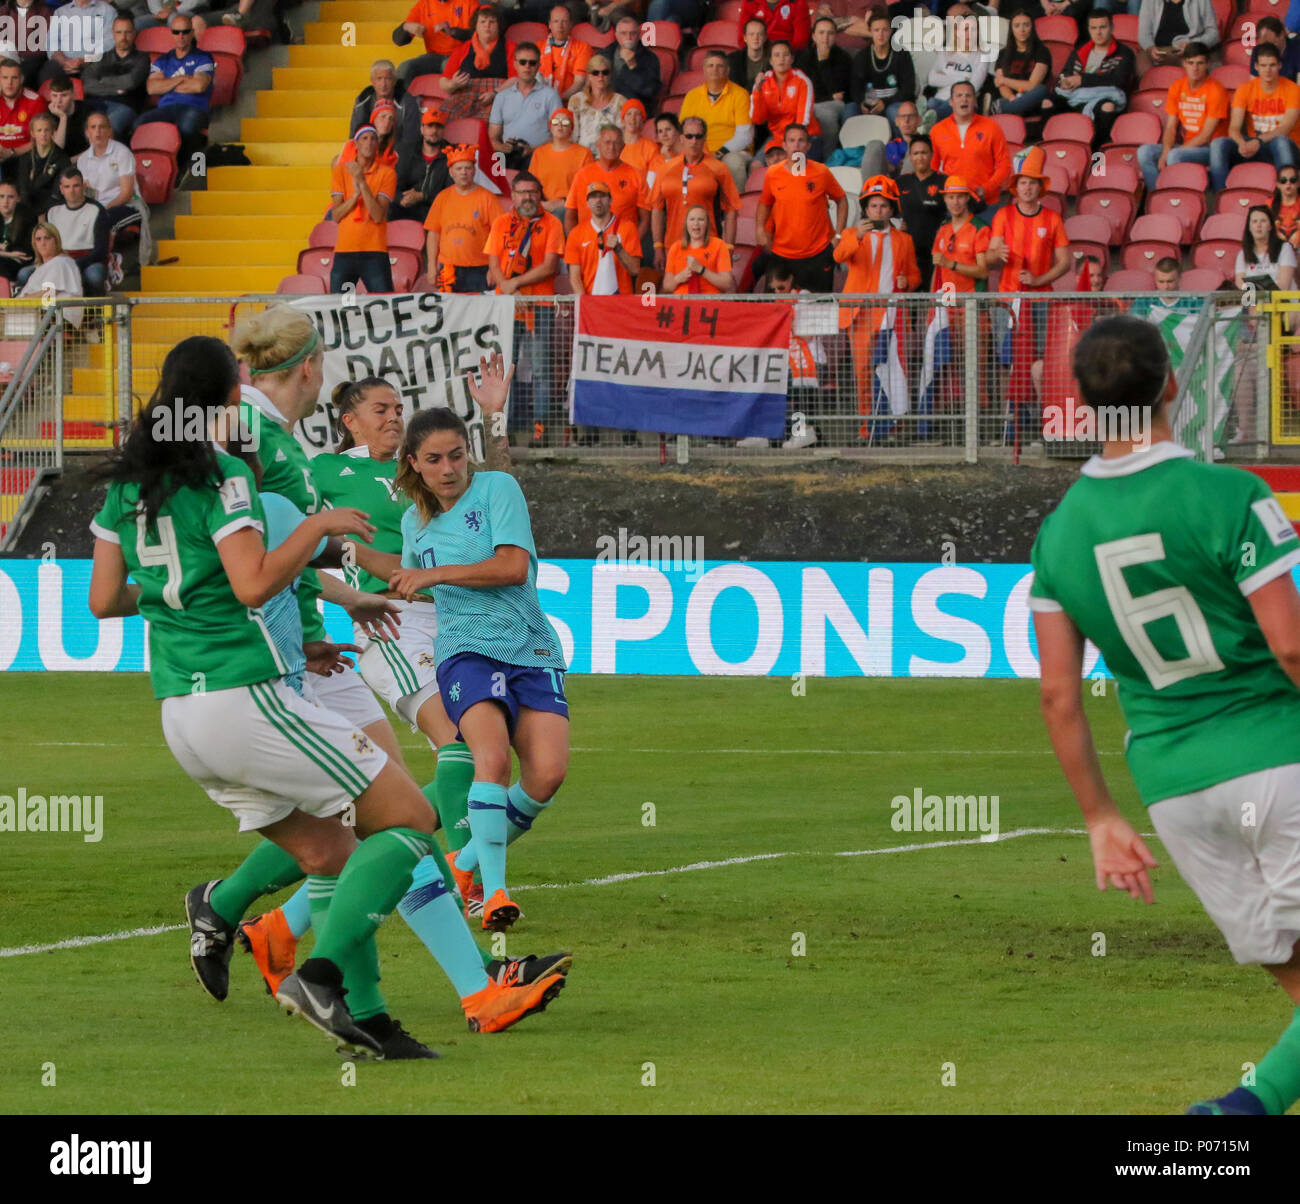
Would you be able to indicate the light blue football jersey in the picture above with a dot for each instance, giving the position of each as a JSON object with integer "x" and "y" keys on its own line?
{"x": 281, "y": 615}
{"x": 503, "y": 622}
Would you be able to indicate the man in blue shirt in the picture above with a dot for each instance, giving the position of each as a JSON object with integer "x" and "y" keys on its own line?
{"x": 521, "y": 112}
{"x": 182, "y": 82}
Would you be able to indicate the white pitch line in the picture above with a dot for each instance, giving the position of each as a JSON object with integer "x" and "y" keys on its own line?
{"x": 707, "y": 752}
{"x": 78, "y": 942}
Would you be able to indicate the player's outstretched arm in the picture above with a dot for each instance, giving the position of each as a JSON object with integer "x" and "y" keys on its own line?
{"x": 492, "y": 390}
{"x": 378, "y": 564}
{"x": 507, "y": 566}
{"x": 111, "y": 597}
{"x": 1277, "y": 611}
{"x": 375, "y": 613}
{"x": 1119, "y": 855}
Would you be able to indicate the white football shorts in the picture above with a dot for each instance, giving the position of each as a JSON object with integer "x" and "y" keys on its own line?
{"x": 402, "y": 671}
{"x": 1237, "y": 845}
{"x": 263, "y": 751}
{"x": 345, "y": 694}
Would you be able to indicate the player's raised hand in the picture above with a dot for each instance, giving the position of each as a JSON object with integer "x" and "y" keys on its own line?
{"x": 492, "y": 388}
{"x": 346, "y": 520}
{"x": 1121, "y": 858}
{"x": 378, "y": 617}
{"x": 406, "y": 583}
{"x": 325, "y": 658}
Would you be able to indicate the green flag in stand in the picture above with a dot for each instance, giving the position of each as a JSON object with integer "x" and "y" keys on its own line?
{"x": 1177, "y": 320}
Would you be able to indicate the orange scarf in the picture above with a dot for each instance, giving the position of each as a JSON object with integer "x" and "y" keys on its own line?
{"x": 482, "y": 54}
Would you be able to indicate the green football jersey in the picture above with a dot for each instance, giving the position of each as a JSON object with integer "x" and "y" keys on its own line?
{"x": 353, "y": 478}
{"x": 201, "y": 637}
{"x": 1154, "y": 556}
{"x": 286, "y": 470}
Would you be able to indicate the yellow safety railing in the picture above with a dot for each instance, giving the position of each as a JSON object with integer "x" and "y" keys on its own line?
{"x": 1283, "y": 310}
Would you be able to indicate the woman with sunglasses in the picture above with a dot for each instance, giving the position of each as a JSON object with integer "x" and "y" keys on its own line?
{"x": 1286, "y": 206}
{"x": 597, "y": 104}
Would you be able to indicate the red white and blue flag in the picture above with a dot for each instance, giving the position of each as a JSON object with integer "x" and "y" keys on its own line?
{"x": 681, "y": 365}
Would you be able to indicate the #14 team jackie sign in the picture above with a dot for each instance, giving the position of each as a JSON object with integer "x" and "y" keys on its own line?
{"x": 684, "y": 366}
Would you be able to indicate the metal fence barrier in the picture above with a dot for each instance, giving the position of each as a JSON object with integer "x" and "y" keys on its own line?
{"x": 905, "y": 379}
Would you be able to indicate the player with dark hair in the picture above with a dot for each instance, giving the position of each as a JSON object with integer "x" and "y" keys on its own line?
{"x": 1180, "y": 573}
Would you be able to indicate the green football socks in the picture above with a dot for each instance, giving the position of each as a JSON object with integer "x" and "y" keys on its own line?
{"x": 361, "y": 966}
{"x": 451, "y": 782}
{"x": 267, "y": 869}
{"x": 1277, "y": 1077}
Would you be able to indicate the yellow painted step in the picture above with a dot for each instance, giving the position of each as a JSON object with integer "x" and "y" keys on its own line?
{"x": 316, "y": 79}
{"x": 293, "y": 226}
{"x": 333, "y": 125}
{"x": 335, "y": 12}
{"x": 94, "y": 407}
{"x": 314, "y": 155}
{"x": 88, "y": 382}
{"x": 266, "y": 252}
{"x": 354, "y": 58}
{"x": 273, "y": 179}
{"x": 246, "y": 205}
{"x": 1290, "y": 505}
{"x": 234, "y": 281}
{"x": 308, "y": 103}
{"x": 364, "y": 33}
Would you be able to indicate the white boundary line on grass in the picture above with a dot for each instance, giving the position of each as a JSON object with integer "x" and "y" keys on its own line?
{"x": 79, "y": 942}
{"x": 709, "y": 752}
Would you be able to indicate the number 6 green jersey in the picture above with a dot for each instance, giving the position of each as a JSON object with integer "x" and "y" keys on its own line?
{"x": 1154, "y": 557}
{"x": 201, "y": 637}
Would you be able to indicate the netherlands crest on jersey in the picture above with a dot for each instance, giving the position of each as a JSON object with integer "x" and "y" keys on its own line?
{"x": 474, "y": 520}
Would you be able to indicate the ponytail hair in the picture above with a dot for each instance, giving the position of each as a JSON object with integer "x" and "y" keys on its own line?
{"x": 346, "y": 397}
{"x": 159, "y": 453}
{"x": 424, "y": 424}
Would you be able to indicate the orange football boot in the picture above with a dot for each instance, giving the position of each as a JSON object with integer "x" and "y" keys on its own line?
{"x": 272, "y": 945}
{"x": 495, "y": 1008}
{"x": 499, "y": 913}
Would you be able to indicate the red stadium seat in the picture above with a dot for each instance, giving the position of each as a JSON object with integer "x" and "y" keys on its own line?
{"x": 1152, "y": 238}
{"x": 1125, "y": 26}
{"x": 1071, "y": 157}
{"x": 157, "y": 136}
{"x": 1057, "y": 29}
{"x": 155, "y": 40}
{"x": 529, "y": 31}
{"x": 725, "y": 35}
{"x": 1243, "y": 28}
{"x": 1113, "y": 157}
{"x": 1217, "y": 255}
{"x": 754, "y": 181}
{"x": 1058, "y": 180}
{"x": 663, "y": 34}
{"x": 1223, "y": 225}
{"x": 316, "y": 261}
{"x": 1186, "y": 207}
{"x": 1260, "y": 176}
{"x": 1087, "y": 227}
{"x": 1231, "y": 77}
{"x": 406, "y": 235}
{"x": 78, "y": 89}
{"x": 225, "y": 39}
{"x": 156, "y": 173}
{"x": 1012, "y": 126}
{"x": 1060, "y": 52}
{"x": 1184, "y": 175}
{"x": 695, "y": 58}
{"x": 584, "y": 31}
{"x": 1080, "y": 246}
{"x": 1127, "y": 280}
{"x": 429, "y": 86}
{"x": 671, "y": 104}
{"x": 742, "y": 261}
{"x": 1116, "y": 207}
{"x": 1236, "y": 55}
{"x": 1161, "y": 77}
{"x": 1268, "y": 8}
{"x": 685, "y": 82}
{"x": 1117, "y": 176}
{"x": 1149, "y": 100}
{"x": 1224, "y": 11}
{"x": 729, "y": 10}
{"x": 324, "y": 234}
{"x": 405, "y": 266}
{"x": 749, "y": 203}
{"x": 1241, "y": 200}
{"x": 307, "y": 285}
{"x": 1135, "y": 129}
{"x": 464, "y": 130}
{"x": 1068, "y": 127}
{"x": 1200, "y": 280}
{"x": 746, "y": 232}
{"x": 1056, "y": 204}
{"x": 667, "y": 65}
{"x": 226, "y": 79}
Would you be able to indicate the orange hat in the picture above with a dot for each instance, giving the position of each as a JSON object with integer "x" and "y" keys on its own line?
{"x": 563, "y": 115}
{"x": 598, "y": 186}
{"x": 775, "y": 144}
{"x": 382, "y": 106}
{"x": 632, "y": 104}
{"x": 461, "y": 154}
{"x": 1031, "y": 165}
{"x": 433, "y": 117}
{"x": 880, "y": 186}
{"x": 955, "y": 185}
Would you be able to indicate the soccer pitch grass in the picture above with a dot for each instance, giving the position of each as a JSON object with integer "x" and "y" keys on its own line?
{"x": 975, "y": 958}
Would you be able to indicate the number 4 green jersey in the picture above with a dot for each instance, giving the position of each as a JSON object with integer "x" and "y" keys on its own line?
{"x": 353, "y": 478}
{"x": 1154, "y": 557}
{"x": 201, "y": 637}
